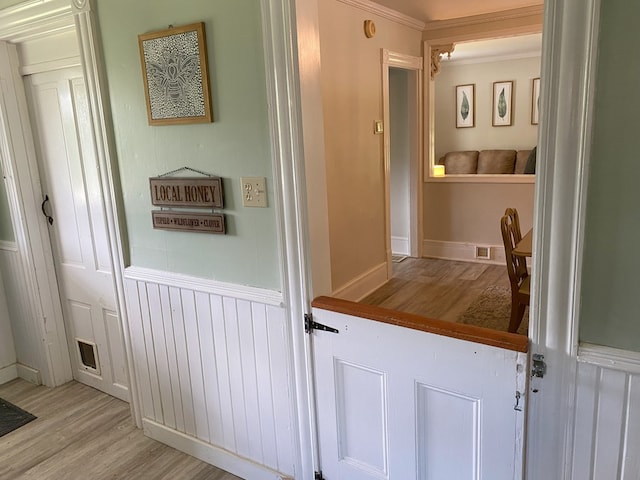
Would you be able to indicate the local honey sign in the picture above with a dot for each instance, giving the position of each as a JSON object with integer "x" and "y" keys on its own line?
{"x": 199, "y": 192}
{"x": 191, "y": 222}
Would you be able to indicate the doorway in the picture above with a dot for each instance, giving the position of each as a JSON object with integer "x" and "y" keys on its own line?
{"x": 74, "y": 208}
{"x": 402, "y": 100}
{"x": 403, "y": 162}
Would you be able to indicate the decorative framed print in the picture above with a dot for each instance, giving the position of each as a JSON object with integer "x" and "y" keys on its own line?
{"x": 466, "y": 106}
{"x": 175, "y": 75}
{"x": 502, "y": 104}
{"x": 535, "y": 101}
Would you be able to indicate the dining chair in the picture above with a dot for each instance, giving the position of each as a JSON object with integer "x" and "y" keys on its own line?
{"x": 517, "y": 270}
{"x": 515, "y": 219}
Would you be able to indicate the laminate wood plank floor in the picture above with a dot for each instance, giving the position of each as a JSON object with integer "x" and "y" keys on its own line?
{"x": 81, "y": 433}
{"x": 435, "y": 288}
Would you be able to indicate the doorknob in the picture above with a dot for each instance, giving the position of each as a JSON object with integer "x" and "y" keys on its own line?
{"x": 44, "y": 212}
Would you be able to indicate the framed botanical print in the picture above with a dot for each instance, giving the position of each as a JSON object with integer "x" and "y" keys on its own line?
{"x": 502, "y": 112}
{"x": 535, "y": 101}
{"x": 466, "y": 106}
{"x": 175, "y": 75}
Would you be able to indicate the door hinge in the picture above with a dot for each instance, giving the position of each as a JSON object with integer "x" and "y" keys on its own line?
{"x": 310, "y": 325}
{"x": 318, "y": 476}
{"x": 538, "y": 365}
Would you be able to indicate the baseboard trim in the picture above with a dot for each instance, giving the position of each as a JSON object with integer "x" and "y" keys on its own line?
{"x": 170, "y": 279}
{"x": 400, "y": 245}
{"x": 462, "y": 251}
{"x": 361, "y": 286}
{"x": 216, "y": 456}
{"x": 8, "y": 373}
{"x": 610, "y": 358}
{"x": 29, "y": 374}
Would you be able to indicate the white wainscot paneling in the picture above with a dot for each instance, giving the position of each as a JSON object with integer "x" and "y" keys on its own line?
{"x": 606, "y": 438}
{"x": 212, "y": 368}
{"x": 25, "y": 337}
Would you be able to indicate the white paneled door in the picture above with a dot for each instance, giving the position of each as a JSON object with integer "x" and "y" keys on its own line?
{"x": 72, "y": 200}
{"x": 397, "y": 403}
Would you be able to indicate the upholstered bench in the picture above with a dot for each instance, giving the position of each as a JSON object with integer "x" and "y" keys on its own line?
{"x": 485, "y": 162}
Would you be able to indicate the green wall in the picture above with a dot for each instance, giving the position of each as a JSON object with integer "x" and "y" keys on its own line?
{"x": 6, "y": 229}
{"x": 236, "y": 144}
{"x": 611, "y": 271}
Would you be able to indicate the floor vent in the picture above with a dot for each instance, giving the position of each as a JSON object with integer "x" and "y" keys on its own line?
{"x": 88, "y": 354}
{"x": 483, "y": 252}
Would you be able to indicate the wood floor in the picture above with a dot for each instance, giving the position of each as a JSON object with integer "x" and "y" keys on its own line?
{"x": 81, "y": 433}
{"x": 434, "y": 288}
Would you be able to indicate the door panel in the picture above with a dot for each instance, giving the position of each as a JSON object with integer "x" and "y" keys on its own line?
{"x": 398, "y": 403}
{"x": 70, "y": 178}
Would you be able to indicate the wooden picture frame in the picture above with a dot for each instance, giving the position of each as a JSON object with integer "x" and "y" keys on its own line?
{"x": 502, "y": 111}
{"x": 175, "y": 75}
{"x": 466, "y": 106}
{"x": 535, "y": 101}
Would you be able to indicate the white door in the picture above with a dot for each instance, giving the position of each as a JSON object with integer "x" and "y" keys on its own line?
{"x": 70, "y": 181}
{"x": 398, "y": 403}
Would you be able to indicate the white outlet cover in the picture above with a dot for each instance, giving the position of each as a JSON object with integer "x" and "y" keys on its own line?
{"x": 254, "y": 191}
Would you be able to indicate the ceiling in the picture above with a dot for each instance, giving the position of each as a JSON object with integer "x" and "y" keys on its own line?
{"x": 430, "y": 10}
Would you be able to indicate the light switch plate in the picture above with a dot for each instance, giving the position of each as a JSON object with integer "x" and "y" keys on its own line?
{"x": 254, "y": 191}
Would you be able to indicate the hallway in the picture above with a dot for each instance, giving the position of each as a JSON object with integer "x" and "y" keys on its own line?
{"x": 81, "y": 433}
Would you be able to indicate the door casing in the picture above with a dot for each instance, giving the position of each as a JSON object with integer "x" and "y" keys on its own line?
{"x": 18, "y": 25}
{"x": 392, "y": 59}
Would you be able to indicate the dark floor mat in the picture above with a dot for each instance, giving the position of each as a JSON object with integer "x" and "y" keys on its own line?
{"x": 12, "y": 417}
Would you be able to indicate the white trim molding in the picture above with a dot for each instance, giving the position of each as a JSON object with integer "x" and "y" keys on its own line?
{"x": 8, "y": 373}
{"x": 518, "y": 20}
{"x": 213, "y": 287}
{"x": 568, "y": 72}
{"x": 462, "y": 251}
{"x": 610, "y": 358}
{"x": 29, "y": 374}
{"x": 219, "y": 457}
{"x": 363, "y": 284}
{"x": 387, "y": 13}
{"x": 475, "y": 178}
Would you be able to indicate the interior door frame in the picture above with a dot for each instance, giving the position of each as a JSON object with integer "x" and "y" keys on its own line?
{"x": 19, "y": 24}
{"x": 391, "y": 59}
{"x": 569, "y": 54}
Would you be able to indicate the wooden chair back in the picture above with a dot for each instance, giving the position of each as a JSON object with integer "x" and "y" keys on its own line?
{"x": 516, "y": 265}
{"x": 512, "y": 213}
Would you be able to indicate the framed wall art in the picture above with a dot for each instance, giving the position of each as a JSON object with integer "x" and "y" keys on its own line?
{"x": 175, "y": 75}
{"x": 466, "y": 106}
{"x": 502, "y": 112}
{"x": 535, "y": 101}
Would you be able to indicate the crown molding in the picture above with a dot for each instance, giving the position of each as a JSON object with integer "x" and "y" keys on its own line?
{"x": 514, "y": 14}
{"x": 385, "y": 12}
{"x": 35, "y": 18}
{"x": 490, "y": 59}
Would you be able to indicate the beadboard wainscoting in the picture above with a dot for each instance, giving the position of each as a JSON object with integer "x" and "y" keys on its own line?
{"x": 606, "y": 436}
{"x": 25, "y": 336}
{"x": 212, "y": 370}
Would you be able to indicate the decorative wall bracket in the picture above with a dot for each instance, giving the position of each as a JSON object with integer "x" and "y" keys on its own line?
{"x": 437, "y": 51}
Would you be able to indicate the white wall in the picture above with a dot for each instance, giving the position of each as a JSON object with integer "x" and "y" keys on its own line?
{"x": 521, "y": 135}
{"x": 8, "y": 369}
{"x": 399, "y": 160}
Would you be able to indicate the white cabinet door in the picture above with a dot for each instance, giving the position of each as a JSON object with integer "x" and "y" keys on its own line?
{"x": 397, "y": 403}
{"x": 70, "y": 178}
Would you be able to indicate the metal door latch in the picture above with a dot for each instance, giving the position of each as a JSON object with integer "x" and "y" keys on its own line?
{"x": 538, "y": 366}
